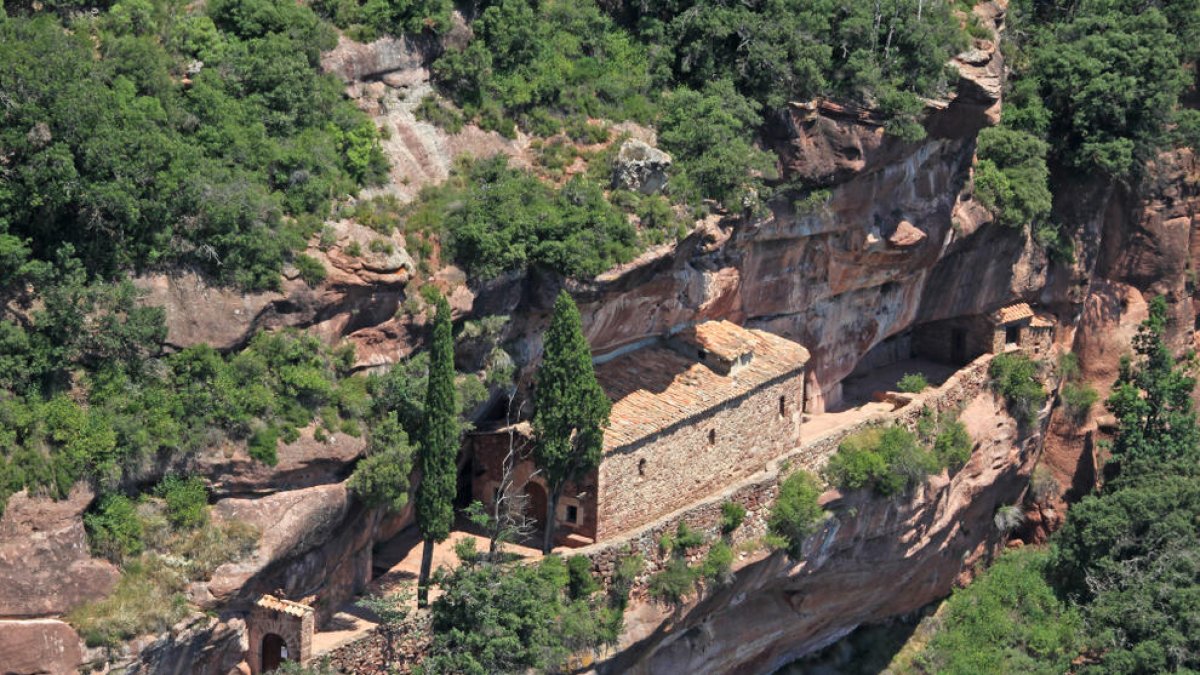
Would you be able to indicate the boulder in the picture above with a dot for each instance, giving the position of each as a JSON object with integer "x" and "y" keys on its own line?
{"x": 353, "y": 61}
{"x": 906, "y": 235}
{"x": 291, "y": 523}
{"x": 46, "y": 568}
{"x": 641, "y": 167}
{"x": 41, "y": 647}
{"x": 303, "y": 463}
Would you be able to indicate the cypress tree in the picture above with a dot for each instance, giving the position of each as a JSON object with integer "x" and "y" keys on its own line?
{"x": 439, "y": 451}
{"x": 571, "y": 410}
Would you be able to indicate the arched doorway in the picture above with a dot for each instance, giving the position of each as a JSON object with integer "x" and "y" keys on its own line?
{"x": 274, "y": 652}
{"x": 536, "y": 503}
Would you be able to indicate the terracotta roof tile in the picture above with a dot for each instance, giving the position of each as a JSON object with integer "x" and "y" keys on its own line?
{"x": 655, "y": 387}
{"x": 1042, "y": 321}
{"x": 1015, "y": 312}
{"x": 285, "y": 606}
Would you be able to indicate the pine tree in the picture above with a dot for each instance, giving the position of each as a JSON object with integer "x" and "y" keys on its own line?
{"x": 439, "y": 451}
{"x": 571, "y": 408}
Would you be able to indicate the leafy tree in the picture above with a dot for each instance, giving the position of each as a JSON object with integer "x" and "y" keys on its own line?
{"x": 797, "y": 511}
{"x": 114, "y": 530}
{"x": 1008, "y": 620}
{"x": 502, "y": 618}
{"x": 438, "y": 453}
{"x": 889, "y": 460}
{"x": 732, "y": 515}
{"x": 381, "y": 478}
{"x": 1012, "y": 179}
{"x": 571, "y": 410}
{"x": 187, "y": 500}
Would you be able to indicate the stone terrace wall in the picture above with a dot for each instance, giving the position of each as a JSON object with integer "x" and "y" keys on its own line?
{"x": 757, "y": 493}
{"x": 644, "y": 481}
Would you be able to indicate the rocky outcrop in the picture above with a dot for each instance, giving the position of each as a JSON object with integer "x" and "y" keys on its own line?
{"x": 46, "y": 568}
{"x": 201, "y": 645}
{"x": 307, "y": 462}
{"x": 777, "y": 609}
{"x": 641, "y": 167}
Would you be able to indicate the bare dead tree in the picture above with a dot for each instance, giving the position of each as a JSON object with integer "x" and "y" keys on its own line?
{"x": 509, "y": 517}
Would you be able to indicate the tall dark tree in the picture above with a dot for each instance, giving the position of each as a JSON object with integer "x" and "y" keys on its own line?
{"x": 571, "y": 408}
{"x": 1152, "y": 400}
{"x": 439, "y": 451}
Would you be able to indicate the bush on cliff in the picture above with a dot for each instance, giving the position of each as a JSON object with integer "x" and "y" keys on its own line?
{"x": 1015, "y": 377}
{"x": 889, "y": 460}
{"x": 797, "y": 511}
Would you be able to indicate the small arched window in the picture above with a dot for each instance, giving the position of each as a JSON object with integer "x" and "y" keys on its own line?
{"x": 712, "y": 436}
{"x": 783, "y": 406}
{"x": 642, "y": 466}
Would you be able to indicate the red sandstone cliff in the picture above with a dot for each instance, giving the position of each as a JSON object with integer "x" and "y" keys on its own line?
{"x": 899, "y": 241}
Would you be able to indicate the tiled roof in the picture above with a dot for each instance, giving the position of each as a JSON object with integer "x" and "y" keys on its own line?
{"x": 1015, "y": 312}
{"x": 284, "y": 606}
{"x": 1042, "y": 321}
{"x": 725, "y": 339}
{"x": 655, "y": 387}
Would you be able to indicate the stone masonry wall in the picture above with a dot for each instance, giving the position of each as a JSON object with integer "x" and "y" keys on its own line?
{"x": 645, "y": 480}
{"x": 757, "y": 493}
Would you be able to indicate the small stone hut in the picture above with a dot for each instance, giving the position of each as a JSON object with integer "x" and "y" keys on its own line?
{"x": 279, "y": 630}
{"x": 693, "y": 411}
{"x": 962, "y": 339}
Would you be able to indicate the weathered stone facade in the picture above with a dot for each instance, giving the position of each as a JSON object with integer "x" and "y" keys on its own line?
{"x": 707, "y": 404}
{"x": 663, "y": 472}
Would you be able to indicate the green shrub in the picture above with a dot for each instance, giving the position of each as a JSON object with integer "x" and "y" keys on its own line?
{"x": 1014, "y": 376}
{"x": 1078, "y": 400}
{"x": 857, "y": 463}
{"x": 672, "y": 584}
{"x": 264, "y": 444}
{"x": 797, "y": 511}
{"x": 187, "y": 501}
{"x": 718, "y": 564}
{"x": 732, "y": 515}
{"x": 582, "y": 584}
{"x": 310, "y": 269}
{"x": 953, "y": 445}
{"x": 114, "y": 529}
{"x": 912, "y": 383}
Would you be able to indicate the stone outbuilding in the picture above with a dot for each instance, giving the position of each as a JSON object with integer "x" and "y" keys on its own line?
{"x": 962, "y": 339}
{"x": 279, "y": 630}
{"x": 692, "y": 411}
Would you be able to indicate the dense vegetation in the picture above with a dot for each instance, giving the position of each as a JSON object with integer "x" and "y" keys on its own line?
{"x": 1117, "y": 591}
{"x": 893, "y": 460}
{"x": 153, "y": 133}
{"x": 503, "y": 617}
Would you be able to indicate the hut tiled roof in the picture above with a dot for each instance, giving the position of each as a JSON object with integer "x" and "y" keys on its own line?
{"x": 655, "y": 387}
{"x": 1014, "y": 312}
{"x": 283, "y": 606}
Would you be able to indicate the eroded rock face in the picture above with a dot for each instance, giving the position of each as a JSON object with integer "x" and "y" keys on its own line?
{"x": 39, "y": 647}
{"x": 201, "y": 645}
{"x": 302, "y": 464}
{"x": 776, "y": 610}
{"x": 46, "y": 568}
